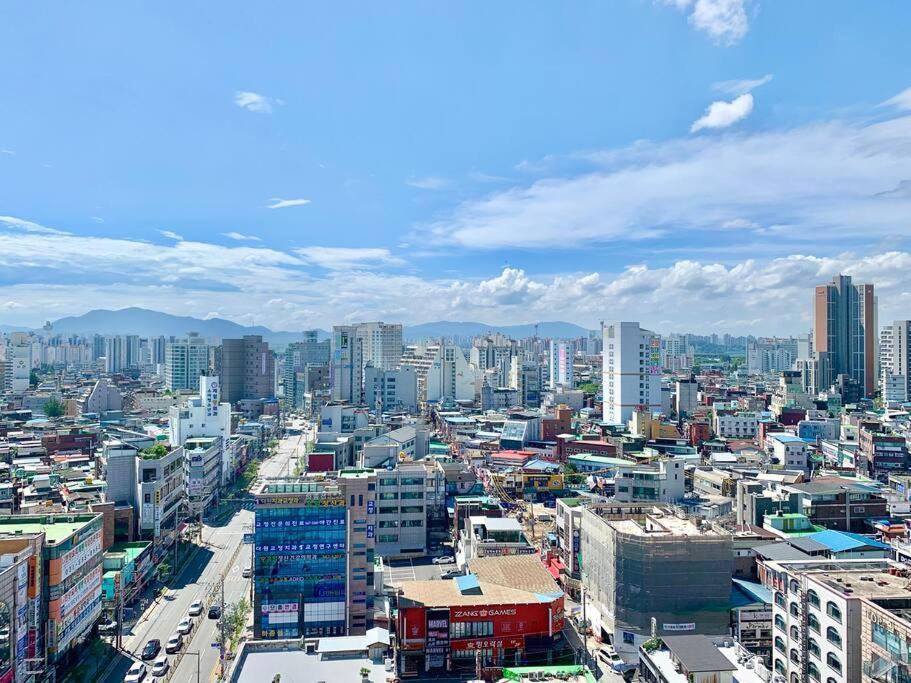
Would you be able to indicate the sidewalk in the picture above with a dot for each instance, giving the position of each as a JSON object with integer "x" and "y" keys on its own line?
{"x": 100, "y": 653}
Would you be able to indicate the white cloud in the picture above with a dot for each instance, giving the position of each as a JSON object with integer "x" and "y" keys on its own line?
{"x": 278, "y": 203}
{"x": 822, "y": 176}
{"x": 275, "y": 288}
{"x": 724, "y": 20}
{"x": 97, "y": 219}
{"x": 428, "y": 183}
{"x": 171, "y": 235}
{"x": 740, "y": 224}
{"x": 722, "y": 114}
{"x": 900, "y": 101}
{"x": 14, "y": 223}
{"x": 10, "y": 152}
{"x": 252, "y": 101}
{"x": 741, "y": 87}
{"x": 343, "y": 258}
{"x": 240, "y": 237}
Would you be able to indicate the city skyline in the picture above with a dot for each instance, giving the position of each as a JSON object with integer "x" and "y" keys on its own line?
{"x": 578, "y": 166}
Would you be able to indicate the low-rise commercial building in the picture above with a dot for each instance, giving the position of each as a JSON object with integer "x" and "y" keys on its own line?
{"x": 507, "y": 611}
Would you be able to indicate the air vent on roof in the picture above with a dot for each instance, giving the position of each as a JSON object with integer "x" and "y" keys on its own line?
{"x": 866, "y": 578}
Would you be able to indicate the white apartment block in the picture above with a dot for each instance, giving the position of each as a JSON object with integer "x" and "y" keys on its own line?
{"x": 632, "y": 371}
{"x": 741, "y": 425}
{"x": 346, "y": 364}
{"x": 816, "y": 615}
{"x": 185, "y": 361}
{"x": 381, "y": 344}
{"x": 561, "y": 364}
{"x": 686, "y": 396}
{"x": 895, "y": 362}
{"x": 203, "y": 416}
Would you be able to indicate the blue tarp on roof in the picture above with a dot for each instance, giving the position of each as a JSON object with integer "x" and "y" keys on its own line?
{"x": 843, "y": 541}
{"x": 749, "y": 593}
{"x": 467, "y": 583}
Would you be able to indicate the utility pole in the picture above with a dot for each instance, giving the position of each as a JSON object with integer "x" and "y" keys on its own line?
{"x": 120, "y": 618}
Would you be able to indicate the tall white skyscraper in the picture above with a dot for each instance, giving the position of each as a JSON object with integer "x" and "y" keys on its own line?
{"x": 895, "y": 362}
{"x": 561, "y": 364}
{"x": 381, "y": 344}
{"x": 19, "y": 357}
{"x": 632, "y": 371}
{"x": 185, "y": 360}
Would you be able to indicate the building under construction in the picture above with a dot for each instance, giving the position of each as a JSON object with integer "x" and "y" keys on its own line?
{"x": 653, "y": 573}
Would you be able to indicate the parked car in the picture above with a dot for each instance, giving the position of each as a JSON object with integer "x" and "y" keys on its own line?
{"x": 136, "y": 674}
{"x": 161, "y": 667}
{"x": 248, "y": 572}
{"x": 215, "y": 611}
{"x": 175, "y": 642}
{"x": 445, "y": 559}
{"x": 185, "y": 626}
{"x": 151, "y": 650}
{"x": 451, "y": 574}
{"x": 195, "y": 608}
{"x": 107, "y": 627}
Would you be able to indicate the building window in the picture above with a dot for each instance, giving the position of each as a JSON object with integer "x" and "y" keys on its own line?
{"x": 833, "y": 636}
{"x": 833, "y": 611}
{"x": 779, "y": 599}
{"x": 795, "y": 610}
{"x": 779, "y": 622}
{"x": 813, "y": 671}
{"x": 813, "y": 648}
{"x": 813, "y": 623}
{"x": 834, "y": 662}
{"x": 813, "y": 598}
{"x": 795, "y": 633}
{"x": 795, "y": 656}
{"x": 779, "y": 644}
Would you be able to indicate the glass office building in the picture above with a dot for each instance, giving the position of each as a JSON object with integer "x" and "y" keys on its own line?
{"x": 300, "y": 560}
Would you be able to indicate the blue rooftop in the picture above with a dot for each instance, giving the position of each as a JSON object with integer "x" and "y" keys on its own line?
{"x": 843, "y": 541}
{"x": 749, "y": 592}
{"x": 786, "y": 438}
{"x": 467, "y": 583}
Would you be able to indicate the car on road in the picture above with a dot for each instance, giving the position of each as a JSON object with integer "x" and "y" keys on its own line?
{"x": 248, "y": 572}
{"x": 195, "y": 608}
{"x": 214, "y": 612}
{"x": 136, "y": 674}
{"x": 151, "y": 650}
{"x": 451, "y": 574}
{"x": 175, "y": 642}
{"x": 609, "y": 656}
{"x": 161, "y": 667}
{"x": 445, "y": 559}
{"x": 185, "y": 626}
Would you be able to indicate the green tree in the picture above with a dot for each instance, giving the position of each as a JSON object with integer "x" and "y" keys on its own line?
{"x": 54, "y": 407}
{"x": 33, "y": 378}
{"x": 590, "y": 387}
{"x": 159, "y": 450}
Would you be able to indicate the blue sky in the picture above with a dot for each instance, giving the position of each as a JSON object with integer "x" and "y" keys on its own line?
{"x": 696, "y": 164}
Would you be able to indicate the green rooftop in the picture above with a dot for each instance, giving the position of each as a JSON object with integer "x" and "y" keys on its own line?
{"x": 56, "y": 531}
{"x": 132, "y": 550}
{"x": 517, "y": 673}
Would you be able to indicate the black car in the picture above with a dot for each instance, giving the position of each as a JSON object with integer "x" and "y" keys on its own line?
{"x": 214, "y": 612}
{"x": 151, "y": 650}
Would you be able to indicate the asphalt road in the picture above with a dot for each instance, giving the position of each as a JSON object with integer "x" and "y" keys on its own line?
{"x": 222, "y": 555}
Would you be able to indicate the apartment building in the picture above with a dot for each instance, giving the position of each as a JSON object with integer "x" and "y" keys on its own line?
{"x": 407, "y": 498}
{"x": 631, "y": 371}
{"x": 185, "y": 361}
{"x": 391, "y": 390}
{"x": 737, "y": 425}
{"x": 817, "y": 614}
{"x": 660, "y": 482}
{"x": 203, "y": 467}
{"x": 247, "y": 369}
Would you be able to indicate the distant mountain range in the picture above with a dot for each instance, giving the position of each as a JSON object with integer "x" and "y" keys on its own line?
{"x": 148, "y": 323}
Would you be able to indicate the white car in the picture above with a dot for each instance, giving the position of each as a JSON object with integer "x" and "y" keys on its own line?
{"x": 175, "y": 642}
{"x": 609, "y": 656}
{"x": 446, "y": 559}
{"x": 195, "y": 608}
{"x": 185, "y": 626}
{"x": 136, "y": 674}
{"x": 248, "y": 572}
{"x": 161, "y": 667}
